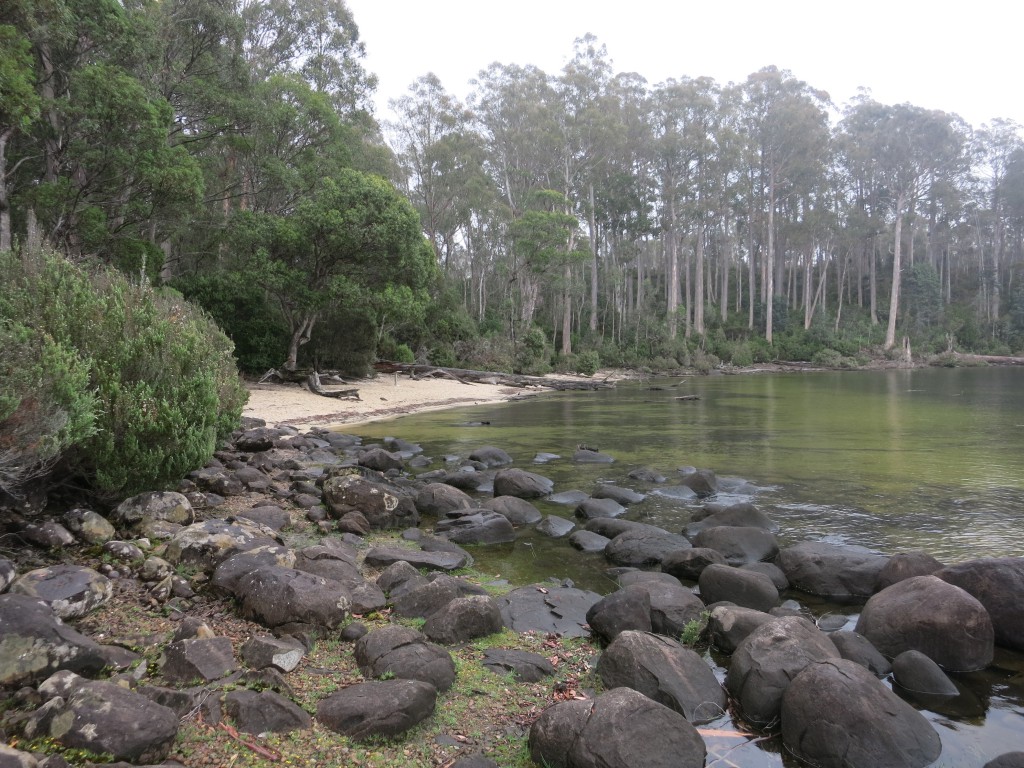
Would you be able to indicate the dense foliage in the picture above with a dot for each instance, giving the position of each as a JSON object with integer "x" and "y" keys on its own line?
{"x": 106, "y": 383}
{"x": 584, "y": 215}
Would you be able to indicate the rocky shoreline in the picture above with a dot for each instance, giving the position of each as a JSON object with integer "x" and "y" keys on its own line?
{"x": 306, "y": 595}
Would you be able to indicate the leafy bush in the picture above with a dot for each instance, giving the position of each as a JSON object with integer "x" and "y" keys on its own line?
{"x": 587, "y": 363}
{"x": 532, "y": 358}
{"x": 166, "y": 387}
{"x": 741, "y": 354}
{"x": 827, "y": 358}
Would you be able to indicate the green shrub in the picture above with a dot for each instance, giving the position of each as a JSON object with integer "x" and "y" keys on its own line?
{"x": 827, "y": 358}
{"x": 741, "y": 354}
{"x": 704, "y": 362}
{"x": 587, "y": 363}
{"x": 166, "y": 387}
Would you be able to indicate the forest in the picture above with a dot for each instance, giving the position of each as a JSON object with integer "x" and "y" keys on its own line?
{"x": 228, "y": 149}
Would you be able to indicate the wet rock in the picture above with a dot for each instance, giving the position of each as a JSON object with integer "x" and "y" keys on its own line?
{"x": 646, "y": 475}
{"x": 626, "y": 608}
{"x": 377, "y": 709}
{"x": 71, "y": 591}
{"x": 438, "y": 499}
{"x": 568, "y": 498}
{"x": 770, "y": 570}
{"x": 380, "y": 460}
{"x": 616, "y": 493}
{"x": 554, "y": 526}
{"x": 479, "y": 526}
{"x": 720, "y": 583}
{"x": 729, "y": 625}
{"x": 643, "y": 548}
{"x": 586, "y": 456}
{"x": 1007, "y": 760}
{"x": 663, "y": 670}
{"x": 859, "y": 649}
{"x": 738, "y": 544}
{"x": 743, "y": 514}
{"x": 689, "y": 563}
{"x": 906, "y": 564}
{"x": 835, "y": 714}
{"x": 702, "y": 482}
{"x": 490, "y": 456}
{"x": 768, "y": 659}
{"x": 927, "y": 614}
{"x": 592, "y": 508}
{"x": 522, "y": 484}
{"x": 518, "y": 511}
{"x": 919, "y": 674}
{"x": 406, "y": 654}
{"x": 588, "y": 542}
{"x": 382, "y": 557}
{"x": 998, "y": 584}
{"x": 831, "y": 570}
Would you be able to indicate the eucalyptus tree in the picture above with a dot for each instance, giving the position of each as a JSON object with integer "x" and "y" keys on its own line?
{"x": 787, "y": 125}
{"x": 19, "y": 105}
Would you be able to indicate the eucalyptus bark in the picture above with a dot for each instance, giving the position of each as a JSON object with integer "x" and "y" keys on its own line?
{"x": 894, "y": 296}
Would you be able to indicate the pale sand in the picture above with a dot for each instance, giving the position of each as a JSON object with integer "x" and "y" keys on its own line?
{"x": 383, "y": 397}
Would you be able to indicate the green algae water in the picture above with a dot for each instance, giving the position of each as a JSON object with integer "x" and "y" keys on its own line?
{"x": 929, "y": 459}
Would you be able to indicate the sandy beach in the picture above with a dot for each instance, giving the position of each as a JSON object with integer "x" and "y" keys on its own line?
{"x": 383, "y": 397}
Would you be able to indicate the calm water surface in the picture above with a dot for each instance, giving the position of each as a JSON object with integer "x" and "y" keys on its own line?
{"x": 927, "y": 459}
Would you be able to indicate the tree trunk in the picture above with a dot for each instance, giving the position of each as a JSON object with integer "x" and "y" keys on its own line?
{"x": 300, "y": 336}
{"x": 769, "y": 258}
{"x": 673, "y": 272}
{"x": 592, "y": 222}
{"x": 5, "y": 206}
{"x": 698, "y": 287}
{"x": 567, "y": 313}
{"x": 894, "y": 296}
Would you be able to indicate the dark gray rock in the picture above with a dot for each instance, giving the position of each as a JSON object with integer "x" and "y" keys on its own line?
{"x": 104, "y": 717}
{"x": 380, "y": 460}
{"x": 478, "y": 526}
{"x": 525, "y": 666}
{"x": 641, "y": 548}
{"x": 554, "y": 733}
{"x": 624, "y": 729}
{"x": 275, "y": 596}
{"x": 831, "y": 570}
{"x": 702, "y": 482}
{"x": 584, "y": 456}
{"x": 47, "y": 534}
{"x": 729, "y": 625}
{"x": 738, "y": 544}
{"x": 387, "y": 708}
{"x": 265, "y": 712}
{"x": 626, "y": 608}
{"x": 592, "y": 508}
{"x": 917, "y": 673}
{"x": 927, "y": 614}
{"x": 8, "y": 572}
{"x": 998, "y": 584}
{"x": 399, "y": 578}
{"x": 438, "y": 499}
{"x": 770, "y": 570}
{"x": 1007, "y": 760}
{"x": 283, "y": 653}
{"x": 228, "y": 572}
{"x": 545, "y": 608}
{"x": 15, "y": 758}
{"x": 199, "y": 660}
{"x": 903, "y": 565}
{"x": 260, "y": 438}
{"x": 835, "y": 714}
{"x": 337, "y": 563}
{"x": 406, "y": 654}
{"x": 424, "y": 600}
{"x": 464, "y": 619}
{"x": 385, "y": 506}
{"x": 568, "y": 498}
{"x": 663, "y": 670}
{"x": 743, "y": 514}
{"x": 768, "y": 659}
{"x": 673, "y": 606}
{"x": 521, "y": 484}
{"x": 646, "y": 475}
{"x": 70, "y": 590}
{"x": 474, "y": 761}
{"x": 34, "y": 644}
{"x": 588, "y": 542}
{"x": 554, "y": 526}
{"x": 272, "y": 517}
{"x": 723, "y": 583}
{"x": 490, "y": 456}
{"x": 383, "y": 556}
{"x": 518, "y": 511}
{"x": 612, "y": 527}
{"x": 617, "y": 493}
{"x": 688, "y": 563}
{"x": 858, "y": 648}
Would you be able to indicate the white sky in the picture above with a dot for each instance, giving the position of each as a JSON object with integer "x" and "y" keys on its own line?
{"x": 966, "y": 58}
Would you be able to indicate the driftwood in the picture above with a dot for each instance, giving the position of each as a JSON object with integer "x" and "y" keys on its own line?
{"x": 466, "y": 376}
{"x": 991, "y": 359}
{"x": 311, "y": 380}
{"x": 688, "y": 397}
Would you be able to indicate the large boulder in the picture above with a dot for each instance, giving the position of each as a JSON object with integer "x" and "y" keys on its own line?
{"x": 198, "y": 660}
{"x": 858, "y": 648}
{"x": 106, "y": 718}
{"x": 592, "y": 508}
{"x": 689, "y": 563}
{"x": 406, "y": 654}
{"x": 627, "y": 608}
{"x": 377, "y": 709}
{"x": 34, "y": 644}
{"x": 227, "y": 574}
{"x": 768, "y": 659}
{"x": 927, "y": 614}
{"x": 423, "y": 600}
{"x": 723, "y": 583}
{"x": 546, "y": 608}
{"x": 207, "y": 544}
{"x": 162, "y": 506}
{"x": 739, "y": 544}
{"x": 464, "y": 619}
{"x": 617, "y": 493}
{"x": 383, "y": 556}
{"x": 276, "y": 596}
{"x": 703, "y": 482}
{"x": 384, "y": 506}
{"x": 338, "y": 563}
{"x": 673, "y": 606}
{"x": 490, "y": 456}
{"x": 837, "y": 714}
{"x": 522, "y": 484}
{"x": 476, "y": 526}
{"x": 380, "y": 460}
{"x": 903, "y": 565}
{"x": 742, "y": 514}
{"x": 998, "y": 584}
{"x": 264, "y": 712}
{"x": 518, "y": 511}
{"x": 619, "y": 729}
{"x": 831, "y": 570}
{"x": 729, "y": 625}
{"x": 70, "y": 590}
{"x": 664, "y": 670}
{"x": 438, "y": 499}
{"x": 643, "y": 548}
{"x": 917, "y": 673}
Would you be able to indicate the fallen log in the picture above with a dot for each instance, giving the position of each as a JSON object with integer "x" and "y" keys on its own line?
{"x": 991, "y": 359}
{"x": 468, "y": 376}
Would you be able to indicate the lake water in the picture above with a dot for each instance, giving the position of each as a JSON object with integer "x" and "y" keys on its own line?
{"x": 929, "y": 459}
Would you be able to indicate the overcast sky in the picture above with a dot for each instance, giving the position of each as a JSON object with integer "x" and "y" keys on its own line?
{"x": 964, "y": 58}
